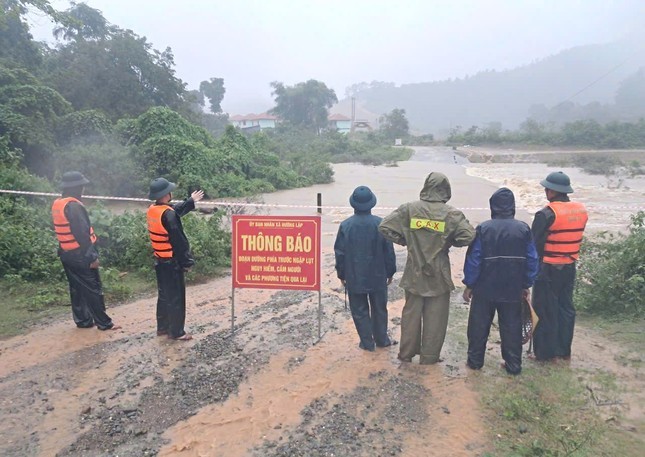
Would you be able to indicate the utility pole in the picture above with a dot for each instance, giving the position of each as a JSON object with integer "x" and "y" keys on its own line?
{"x": 351, "y": 128}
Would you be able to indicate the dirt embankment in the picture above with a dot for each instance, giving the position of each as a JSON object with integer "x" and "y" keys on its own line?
{"x": 272, "y": 390}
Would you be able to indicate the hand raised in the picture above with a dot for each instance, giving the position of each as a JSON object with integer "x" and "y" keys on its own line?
{"x": 197, "y": 195}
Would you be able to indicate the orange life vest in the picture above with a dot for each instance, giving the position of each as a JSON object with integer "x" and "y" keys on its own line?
{"x": 564, "y": 237}
{"x": 159, "y": 236}
{"x": 61, "y": 225}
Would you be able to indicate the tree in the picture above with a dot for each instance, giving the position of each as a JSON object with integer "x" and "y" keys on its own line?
{"x": 122, "y": 75}
{"x": 214, "y": 91}
{"x": 29, "y": 116}
{"x": 83, "y": 23}
{"x": 16, "y": 43}
{"x": 395, "y": 124}
{"x": 305, "y": 104}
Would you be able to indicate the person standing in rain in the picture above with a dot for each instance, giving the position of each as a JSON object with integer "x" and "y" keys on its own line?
{"x": 501, "y": 265}
{"x": 78, "y": 254}
{"x": 428, "y": 227}
{"x": 365, "y": 263}
{"x": 172, "y": 256}
{"x": 557, "y": 229}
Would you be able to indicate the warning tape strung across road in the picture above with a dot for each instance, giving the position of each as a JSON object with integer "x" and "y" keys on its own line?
{"x": 263, "y": 205}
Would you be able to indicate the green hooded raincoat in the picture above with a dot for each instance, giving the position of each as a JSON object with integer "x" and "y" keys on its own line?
{"x": 428, "y": 227}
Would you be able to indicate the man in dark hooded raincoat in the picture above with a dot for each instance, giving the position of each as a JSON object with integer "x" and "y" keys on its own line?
{"x": 79, "y": 255}
{"x": 428, "y": 227}
{"x": 501, "y": 265}
{"x": 365, "y": 263}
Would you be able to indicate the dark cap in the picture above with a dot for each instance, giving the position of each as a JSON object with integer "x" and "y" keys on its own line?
{"x": 160, "y": 187}
{"x": 362, "y": 199}
{"x": 73, "y": 179}
{"x": 558, "y": 181}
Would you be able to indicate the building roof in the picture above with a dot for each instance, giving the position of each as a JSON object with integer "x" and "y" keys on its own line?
{"x": 253, "y": 117}
{"x": 338, "y": 117}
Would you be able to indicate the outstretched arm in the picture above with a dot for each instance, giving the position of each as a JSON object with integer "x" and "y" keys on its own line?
{"x": 185, "y": 207}
{"x": 392, "y": 226}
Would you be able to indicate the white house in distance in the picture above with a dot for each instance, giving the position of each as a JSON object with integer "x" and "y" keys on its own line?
{"x": 340, "y": 123}
{"x": 253, "y": 122}
{"x": 250, "y": 123}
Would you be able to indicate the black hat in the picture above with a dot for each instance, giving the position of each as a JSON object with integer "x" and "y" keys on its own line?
{"x": 73, "y": 179}
{"x": 160, "y": 187}
{"x": 363, "y": 199}
{"x": 558, "y": 182}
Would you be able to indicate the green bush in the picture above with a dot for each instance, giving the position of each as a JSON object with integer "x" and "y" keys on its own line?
{"x": 26, "y": 240}
{"x": 611, "y": 272}
{"x": 209, "y": 243}
{"x": 122, "y": 239}
{"x": 124, "y": 243}
{"x": 110, "y": 168}
{"x": 29, "y": 245}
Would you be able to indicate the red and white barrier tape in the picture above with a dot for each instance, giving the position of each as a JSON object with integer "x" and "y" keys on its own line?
{"x": 266, "y": 205}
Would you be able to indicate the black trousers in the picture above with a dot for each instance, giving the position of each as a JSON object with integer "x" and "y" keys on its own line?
{"x": 553, "y": 303}
{"x": 369, "y": 312}
{"x": 86, "y": 294}
{"x": 509, "y": 316}
{"x": 171, "y": 301}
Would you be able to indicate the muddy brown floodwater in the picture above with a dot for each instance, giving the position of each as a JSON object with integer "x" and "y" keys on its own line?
{"x": 273, "y": 389}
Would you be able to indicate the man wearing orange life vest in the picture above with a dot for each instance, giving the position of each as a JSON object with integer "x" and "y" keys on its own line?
{"x": 557, "y": 230}
{"x": 78, "y": 254}
{"x": 172, "y": 256}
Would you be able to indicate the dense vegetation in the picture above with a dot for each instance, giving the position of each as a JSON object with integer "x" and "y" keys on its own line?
{"x": 611, "y": 273}
{"x": 583, "y": 133}
{"x": 104, "y": 102}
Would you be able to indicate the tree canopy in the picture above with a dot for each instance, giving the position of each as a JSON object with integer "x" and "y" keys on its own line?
{"x": 122, "y": 75}
{"x": 83, "y": 23}
{"x": 305, "y": 104}
{"x": 16, "y": 44}
{"x": 395, "y": 124}
{"x": 214, "y": 91}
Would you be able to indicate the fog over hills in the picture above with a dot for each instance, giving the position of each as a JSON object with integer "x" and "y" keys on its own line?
{"x": 582, "y": 75}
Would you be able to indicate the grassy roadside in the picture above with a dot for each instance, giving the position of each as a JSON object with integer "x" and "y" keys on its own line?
{"x": 23, "y": 304}
{"x": 550, "y": 411}
{"x": 627, "y": 333}
{"x": 555, "y": 410}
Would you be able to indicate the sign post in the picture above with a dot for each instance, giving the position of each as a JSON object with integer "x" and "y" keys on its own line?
{"x": 276, "y": 252}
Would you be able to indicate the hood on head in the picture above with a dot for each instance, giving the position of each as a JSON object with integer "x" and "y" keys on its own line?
{"x": 502, "y": 204}
{"x": 436, "y": 188}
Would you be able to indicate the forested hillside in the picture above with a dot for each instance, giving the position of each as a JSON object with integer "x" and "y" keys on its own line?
{"x": 600, "y": 82}
{"x": 105, "y": 102}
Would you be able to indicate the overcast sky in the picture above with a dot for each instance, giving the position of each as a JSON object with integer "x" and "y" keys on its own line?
{"x": 341, "y": 42}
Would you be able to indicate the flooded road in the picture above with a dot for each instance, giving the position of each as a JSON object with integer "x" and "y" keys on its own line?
{"x": 273, "y": 389}
{"x": 392, "y": 186}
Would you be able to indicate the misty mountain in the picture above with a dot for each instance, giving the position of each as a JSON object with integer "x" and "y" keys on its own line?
{"x": 580, "y": 75}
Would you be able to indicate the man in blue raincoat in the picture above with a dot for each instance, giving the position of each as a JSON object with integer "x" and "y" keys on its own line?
{"x": 365, "y": 263}
{"x": 501, "y": 265}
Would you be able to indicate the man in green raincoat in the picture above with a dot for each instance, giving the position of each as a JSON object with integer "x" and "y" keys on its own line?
{"x": 428, "y": 227}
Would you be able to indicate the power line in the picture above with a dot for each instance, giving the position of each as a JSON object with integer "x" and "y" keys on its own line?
{"x": 593, "y": 82}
